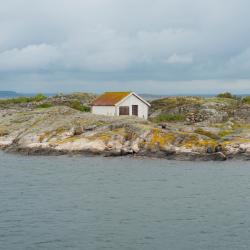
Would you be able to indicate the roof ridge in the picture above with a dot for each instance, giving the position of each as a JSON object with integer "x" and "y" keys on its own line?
{"x": 118, "y": 92}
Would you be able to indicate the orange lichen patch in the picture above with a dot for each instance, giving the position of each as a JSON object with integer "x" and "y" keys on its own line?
{"x": 44, "y": 136}
{"x": 236, "y": 141}
{"x": 160, "y": 138}
{"x": 69, "y": 139}
{"x": 193, "y": 141}
{"x": 200, "y": 144}
{"x": 119, "y": 131}
{"x": 110, "y": 98}
{"x": 190, "y": 141}
{"x": 105, "y": 137}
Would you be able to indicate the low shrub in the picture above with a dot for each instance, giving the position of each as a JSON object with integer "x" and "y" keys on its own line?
{"x": 37, "y": 98}
{"x": 169, "y": 118}
{"x": 227, "y": 95}
{"x": 78, "y": 106}
{"x": 246, "y": 100}
{"x": 45, "y": 105}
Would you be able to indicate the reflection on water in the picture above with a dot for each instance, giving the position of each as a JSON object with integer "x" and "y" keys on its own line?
{"x": 121, "y": 203}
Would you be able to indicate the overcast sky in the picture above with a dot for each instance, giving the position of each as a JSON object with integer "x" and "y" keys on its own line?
{"x": 149, "y": 46}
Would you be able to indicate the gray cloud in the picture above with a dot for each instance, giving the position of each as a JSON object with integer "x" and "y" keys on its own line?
{"x": 87, "y": 45}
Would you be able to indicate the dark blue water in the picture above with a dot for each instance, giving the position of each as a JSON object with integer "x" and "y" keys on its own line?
{"x": 100, "y": 203}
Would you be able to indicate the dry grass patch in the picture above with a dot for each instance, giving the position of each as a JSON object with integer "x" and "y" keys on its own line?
{"x": 3, "y": 132}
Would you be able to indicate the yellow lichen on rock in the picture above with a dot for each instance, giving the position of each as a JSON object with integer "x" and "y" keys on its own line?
{"x": 160, "y": 138}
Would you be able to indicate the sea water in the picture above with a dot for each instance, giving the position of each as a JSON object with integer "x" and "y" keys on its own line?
{"x": 61, "y": 202}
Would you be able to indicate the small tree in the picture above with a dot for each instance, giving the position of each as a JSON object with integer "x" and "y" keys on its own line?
{"x": 246, "y": 100}
{"x": 227, "y": 95}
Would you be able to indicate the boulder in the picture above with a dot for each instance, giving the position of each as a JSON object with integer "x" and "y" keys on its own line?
{"x": 78, "y": 130}
{"x": 219, "y": 156}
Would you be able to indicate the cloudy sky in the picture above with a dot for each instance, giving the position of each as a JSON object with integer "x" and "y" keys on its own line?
{"x": 149, "y": 46}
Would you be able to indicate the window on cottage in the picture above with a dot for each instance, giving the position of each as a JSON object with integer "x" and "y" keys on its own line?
{"x": 124, "y": 110}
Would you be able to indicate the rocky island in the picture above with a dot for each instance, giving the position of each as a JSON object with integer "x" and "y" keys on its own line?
{"x": 181, "y": 128}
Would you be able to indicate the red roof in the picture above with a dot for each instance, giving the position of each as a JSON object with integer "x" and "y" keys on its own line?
{"x": 110, "y": 98}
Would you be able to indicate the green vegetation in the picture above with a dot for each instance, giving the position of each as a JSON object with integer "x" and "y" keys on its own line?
{"x": 227, "y": 95}
{"x": 76, "y": 104}
{"x": 23, "y": 99}
{"x": 169, "y": 118}
{"x": 45, "y": 105}
{"x": 221, "y": 100}
{"x": 37, "y": 98}
{"x": 175, "y": 102}
{"x": 246, "y": 100}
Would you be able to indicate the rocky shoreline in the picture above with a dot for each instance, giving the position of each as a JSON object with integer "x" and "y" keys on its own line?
{"x": 194, "y": 156}
{"x": 63, "y": 130}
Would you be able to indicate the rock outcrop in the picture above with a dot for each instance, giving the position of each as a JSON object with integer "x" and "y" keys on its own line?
{"x": 212, "y": 130}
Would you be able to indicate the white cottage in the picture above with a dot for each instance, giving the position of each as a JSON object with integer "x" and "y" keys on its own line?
{"x": 120, "y": 103}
